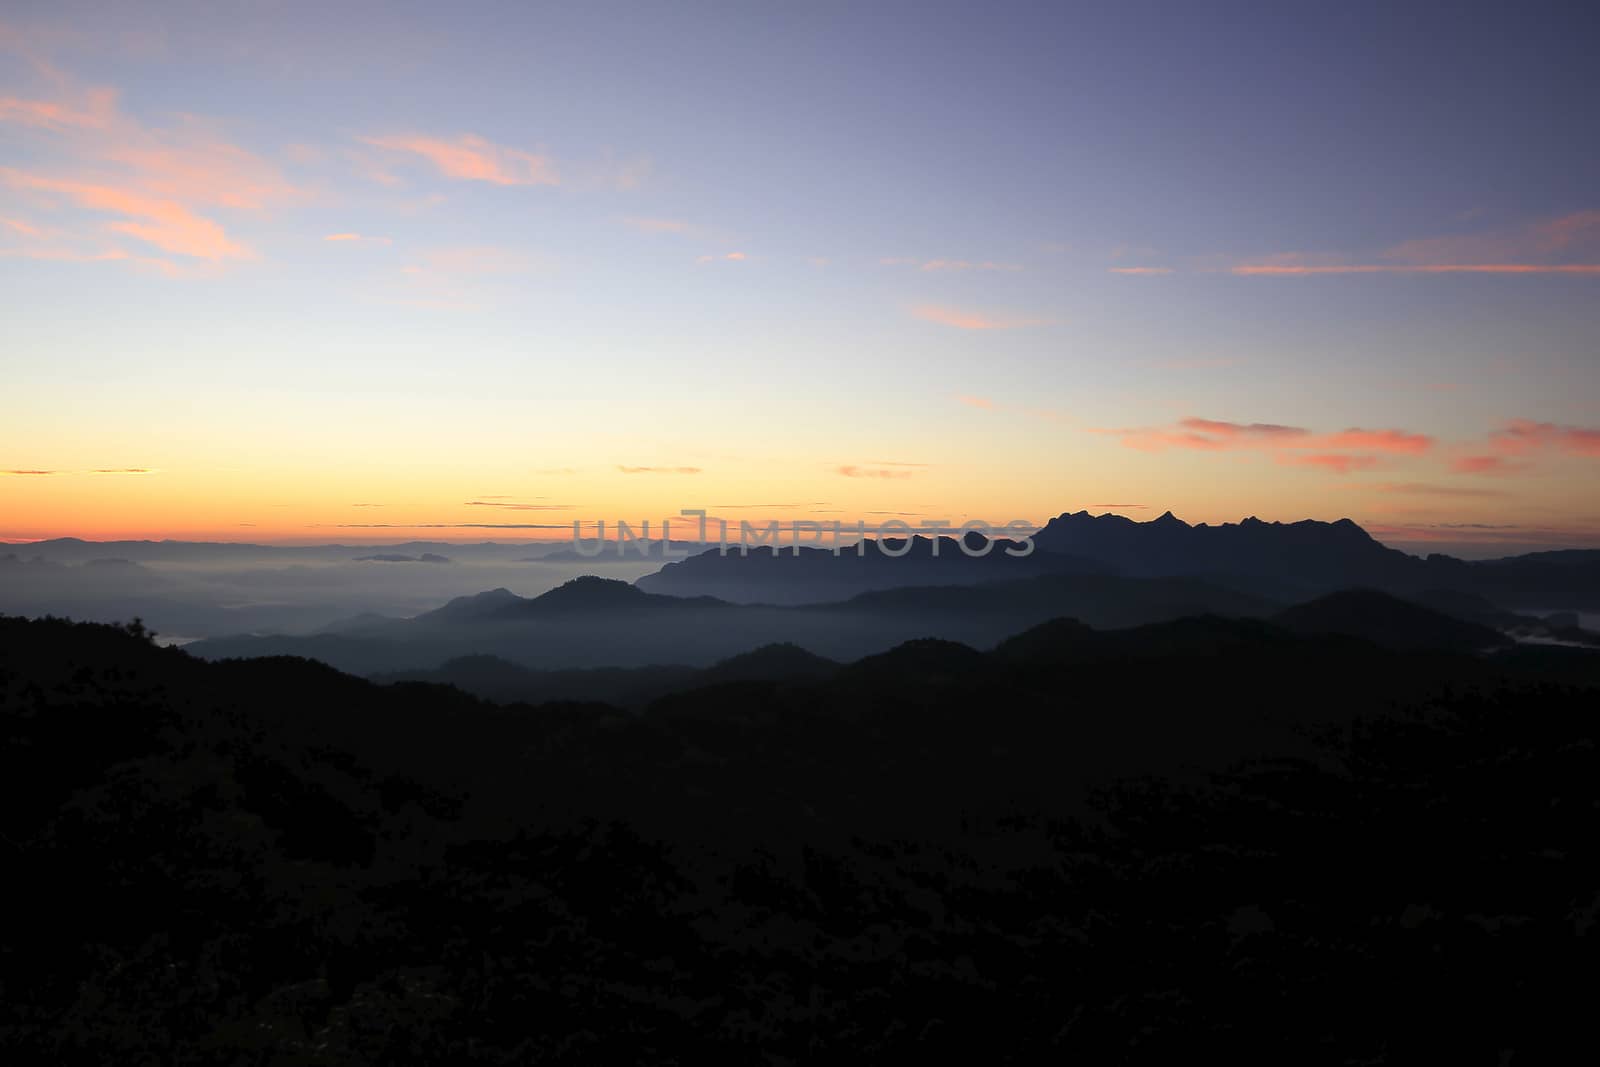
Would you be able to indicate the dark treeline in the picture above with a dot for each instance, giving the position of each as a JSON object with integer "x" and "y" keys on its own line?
{"x": 1205, "y": 839}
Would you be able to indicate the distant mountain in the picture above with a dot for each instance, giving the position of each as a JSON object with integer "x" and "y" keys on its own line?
{"x": 597, "y": 622}
{"x": 1388, "y": 621}
{"x": 1309, "y": 554}
{"x": 621, "y": 552}
{"x": 820, "y": 576}
{"x": 1278, "y": 561}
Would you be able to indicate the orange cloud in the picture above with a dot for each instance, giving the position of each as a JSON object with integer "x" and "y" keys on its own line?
{"x": 471, "y": 158}
{"x": 983, "y": 403}
{"x": 970, "y": 320}
{"x": 27, "y": 229}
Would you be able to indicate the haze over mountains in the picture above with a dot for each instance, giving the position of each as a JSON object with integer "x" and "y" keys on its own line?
{"x": 416, "y": 605}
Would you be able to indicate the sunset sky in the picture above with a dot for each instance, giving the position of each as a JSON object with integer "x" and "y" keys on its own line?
{"x": 367, "y": 272}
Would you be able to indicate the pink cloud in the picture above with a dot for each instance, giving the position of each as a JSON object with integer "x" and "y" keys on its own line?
{"x": 166, "y": 224}
{"x": 853, "y": 471}
{"x": 963, "y": 264}
{"x": 157, "y": 179}
{"x": 472, "y": 158}
{"x": 1566, "y": 245}
{"x": 1338, "y": 464}
{"x": 980, "y": 402}
{"x": 672, "y": 226}
{"x": 1391, "y": 441}
{"x": 1422, "y": 268}
{"x": 96, "y": 111}
{"x": 971, "y": 320}
{"x": 1286, "y": 442}
{"x": 1522, "y": 436}
{"x": 1140, "y": 270}
{"x": 1486, "y": 465}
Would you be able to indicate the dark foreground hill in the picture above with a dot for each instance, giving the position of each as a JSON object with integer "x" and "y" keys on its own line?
{"x": 1208, "y": 839}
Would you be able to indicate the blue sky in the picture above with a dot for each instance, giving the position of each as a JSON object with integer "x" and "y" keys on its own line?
{"x": 986, "y": 258}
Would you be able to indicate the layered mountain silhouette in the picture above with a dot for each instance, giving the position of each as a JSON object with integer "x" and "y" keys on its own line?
{"x": 805, "y": 575}
{"x": 599, "y": 622}
{"x": 1286, "y": 562}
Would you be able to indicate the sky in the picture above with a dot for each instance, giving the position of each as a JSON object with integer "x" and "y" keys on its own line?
{"x": 370, "y": 272}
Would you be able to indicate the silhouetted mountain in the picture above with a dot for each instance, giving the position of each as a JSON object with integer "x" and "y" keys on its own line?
{"x": 1388, "y": 621}
{"x": 1311, "y": 555}
{"x": 782, "y": 662}
{"x": 391, "y": 557}
{"x": 1286, "y": 562}
{"x": 819, "y": 575}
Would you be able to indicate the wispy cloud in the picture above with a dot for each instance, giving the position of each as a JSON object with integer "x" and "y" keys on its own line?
{"x": 965, "y": 264}
{"x": 157, "y": 183}
{"x": 469, "y": 157}
{"x": 677, "y": 227}
{"x": 357, "y": 238}
{"x": 983, "y": 403}
{"x": 1427, "y": 489}
{"x": 103, "y": 470}
{"x": 1566, "y": 245}
{"x": 898, "y": 472}
{"x": 1523, "y": 436}
{"x": 94, "y": 109}
{"x": 1486, "y": 465}
{"x": 1139, "y": 270}
{"x": 972, "y": 320}
{"x": 1337, "y": 463}
{"x": 658, "y": 470}
{"x": 508, "y": 506}
{"x": 1214, "y": 435}
{"x": 166, "y": 224}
